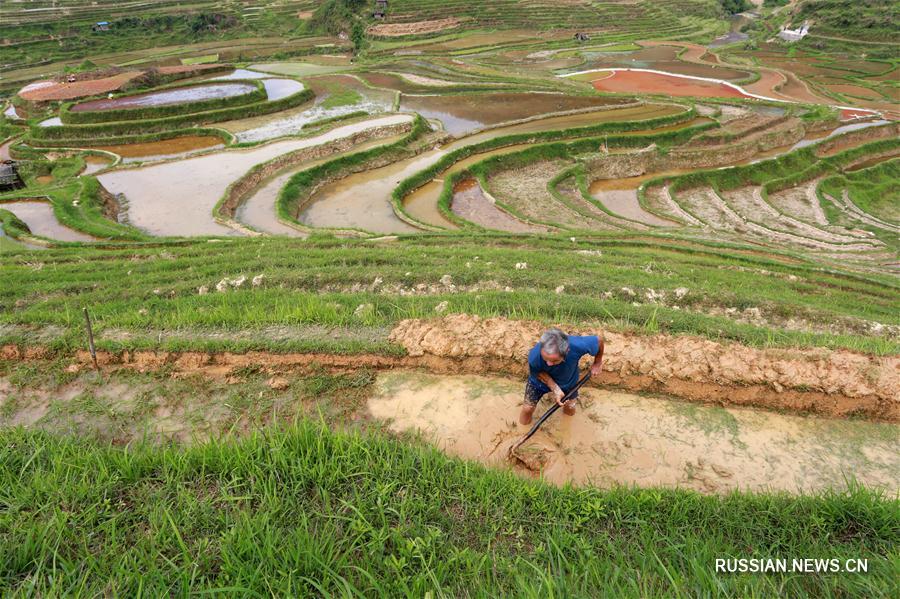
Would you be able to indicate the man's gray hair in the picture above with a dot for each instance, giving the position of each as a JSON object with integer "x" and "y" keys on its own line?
{"x": 555, "y": 342}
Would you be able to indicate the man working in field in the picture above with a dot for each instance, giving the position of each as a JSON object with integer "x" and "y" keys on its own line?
{"x": 553, "y": 368}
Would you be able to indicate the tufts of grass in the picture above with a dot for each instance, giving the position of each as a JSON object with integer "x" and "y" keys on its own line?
{"x": 307, "y": 511}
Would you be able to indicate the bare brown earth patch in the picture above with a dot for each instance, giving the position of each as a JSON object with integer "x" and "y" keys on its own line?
{"x": 829, "y": 382}
{"x": 417, "y": 28}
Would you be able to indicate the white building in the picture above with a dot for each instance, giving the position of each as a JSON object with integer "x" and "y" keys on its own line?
{"x": 793, "y": 35}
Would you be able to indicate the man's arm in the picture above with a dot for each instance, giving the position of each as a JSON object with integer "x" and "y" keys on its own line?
{"x": 554, "y": 388}
{"x": 597, "y": 366}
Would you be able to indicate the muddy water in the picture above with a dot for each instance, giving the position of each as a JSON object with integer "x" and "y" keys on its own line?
{"x": 619, "y": 438}
{"x": 374, "y": 188}
{"x": 177, "y": 198}
{"x": 243, "y": 74}
{"x": 462, "y": 114}
{"x": 39, "y": 217}
{"x": 165, "y": 149}
{"x": 93, "y": 164}
{"x": 167, "y": 97}
{"x": 11, "y": 113}
{"x": 259, "y": 211}
{"x": 620, "y": 197}
{"x": 281, "y": 88}
{"x": 470, "y": 203}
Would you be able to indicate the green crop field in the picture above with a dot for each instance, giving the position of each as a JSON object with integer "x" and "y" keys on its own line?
{"x": 274, "y": 343}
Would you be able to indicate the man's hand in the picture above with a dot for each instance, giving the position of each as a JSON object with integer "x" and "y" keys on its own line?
{"x": 559, "y": 394}
{"x": 596, "y": 369}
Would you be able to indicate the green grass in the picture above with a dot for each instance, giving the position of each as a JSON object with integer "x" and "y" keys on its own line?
{"x": 342, "y": 98}
{"x": 873, "y": 190}
{"x": 148, "y": 289}
{"x": 208, "y": 58}
{"x": 306, "y": 511}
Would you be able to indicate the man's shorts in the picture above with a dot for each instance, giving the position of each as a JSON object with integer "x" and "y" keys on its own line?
{"x": 533, "y": 394}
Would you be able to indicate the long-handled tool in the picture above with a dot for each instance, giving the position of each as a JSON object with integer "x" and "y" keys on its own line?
{"x": 550, "y": 411}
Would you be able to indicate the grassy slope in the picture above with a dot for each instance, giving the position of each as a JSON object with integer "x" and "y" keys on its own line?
{"x": 149, "y": 289}
{"x": 307, "y": 511}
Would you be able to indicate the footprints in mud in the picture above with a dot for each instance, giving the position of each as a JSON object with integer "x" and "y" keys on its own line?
{"x": 709, "y": 476}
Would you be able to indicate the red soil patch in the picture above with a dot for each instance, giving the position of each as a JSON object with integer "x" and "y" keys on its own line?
{"x": 847, "y": 114}
{"x": 638, "y": 82}
{"x": 44, "y": 91}
{"x": 49, "y": 90}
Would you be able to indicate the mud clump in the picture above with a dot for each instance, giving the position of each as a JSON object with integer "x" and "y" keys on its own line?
{"x": 834, "y": 382}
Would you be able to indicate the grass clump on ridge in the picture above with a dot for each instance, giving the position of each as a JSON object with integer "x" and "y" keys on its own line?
{"x": 306, "y": 511}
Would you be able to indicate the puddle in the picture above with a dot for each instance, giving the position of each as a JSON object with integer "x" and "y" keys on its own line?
{"x": 810, "y": 140}
{"x": 93, "y": 164}
{"x": 168, "y": 97}
{"x": 259, "y": 211}
{"x": 620, "y": 438}
{"x": 52, "y": 122}
{"x": 470, "y": 202}
{"x": 39, "y": 217}
{"x": 165, "y": 149}
{"x": 465, "y": 113}
{"x": 177, "y": 198}
{"x": 281, "y": 88}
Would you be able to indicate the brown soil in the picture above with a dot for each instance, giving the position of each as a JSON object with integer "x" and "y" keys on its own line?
{"x": 417, "y": 28}
{"x": 639, "y": 82}
{"x": 829, "y": 382}
{"x": 78, "y": 89}
{"x": 619, "y": 438}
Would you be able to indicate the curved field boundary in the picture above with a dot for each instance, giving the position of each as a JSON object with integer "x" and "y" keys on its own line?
{"x": 244, "y": 187}
{"x": 226, "y": 137}
{"x": 733, "y": 86}
{"x": 121, "y": 128}
{"x": 419, "y": 179}
{"x": 302, "y": 186}
{"x": 72, "y": 117}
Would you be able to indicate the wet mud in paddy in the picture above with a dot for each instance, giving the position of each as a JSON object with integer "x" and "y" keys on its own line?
{"x": 165, "y": 149}
{"x": 621, "y": 438}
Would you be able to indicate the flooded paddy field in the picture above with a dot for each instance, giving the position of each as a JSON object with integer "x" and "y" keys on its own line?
{"x": 165, "y": 149}
{"x": 38, "y": 215}
{"x": 259, "y": 209}
{"x": 336, "y": 95}
{"x": 621, "y": 438}
{"x": 177, "y": 198}
{"x": 465, "y": 113}
{"x": 169, "y": 97}
{"x": 94, "y": 163}
{"x": 471, "y": 203}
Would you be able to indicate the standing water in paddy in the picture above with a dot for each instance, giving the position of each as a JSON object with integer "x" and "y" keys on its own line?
{"x": 167, "y": 97}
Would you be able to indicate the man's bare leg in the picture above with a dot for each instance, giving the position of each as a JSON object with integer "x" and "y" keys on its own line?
{"x": 526, "y": 413}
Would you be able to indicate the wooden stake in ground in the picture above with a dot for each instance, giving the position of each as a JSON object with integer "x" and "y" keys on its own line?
{"x": 90, "y": 332}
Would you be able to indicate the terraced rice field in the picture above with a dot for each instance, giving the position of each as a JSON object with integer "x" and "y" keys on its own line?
{"x": 265, "y": 323}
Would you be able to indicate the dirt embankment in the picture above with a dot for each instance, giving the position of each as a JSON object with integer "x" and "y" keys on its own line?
{"x": 855, "y": 138}
{"x": 828, "y": 382}
{"x": 416, "y": 28}
{"x": 836, "y": 383}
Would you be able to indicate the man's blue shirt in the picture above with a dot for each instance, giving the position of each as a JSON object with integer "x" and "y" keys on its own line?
{"x": 566, "y": 372}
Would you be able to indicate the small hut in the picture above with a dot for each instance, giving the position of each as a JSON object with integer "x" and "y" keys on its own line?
{"x": 9, "y": 176}
{"x": 380, "y": 9}
{"x": 100, "y": 26}
{"x": 582, "y": 37}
